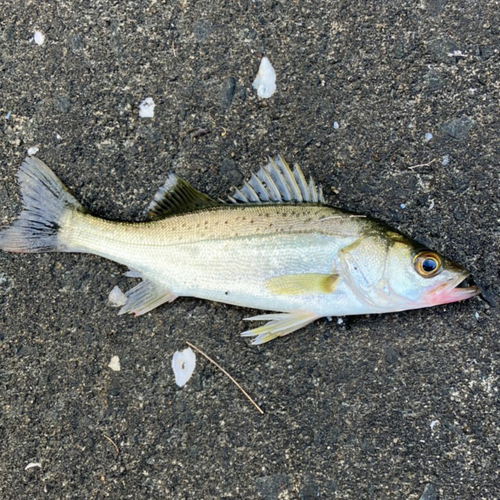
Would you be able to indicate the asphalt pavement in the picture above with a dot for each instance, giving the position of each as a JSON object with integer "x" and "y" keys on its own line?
{"x": 394, "y": 108}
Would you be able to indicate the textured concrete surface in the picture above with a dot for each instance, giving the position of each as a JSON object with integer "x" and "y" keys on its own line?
{"x": 401, "y": 406}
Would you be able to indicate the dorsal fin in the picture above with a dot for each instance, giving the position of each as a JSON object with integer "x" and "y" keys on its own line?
{"x": 276, "y": 183}
{"x": 176, "y": 196}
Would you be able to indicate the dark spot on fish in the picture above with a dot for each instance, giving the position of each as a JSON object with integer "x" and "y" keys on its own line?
{"x": 251, "y": 221}
{"x": 225, "y": 222}
{"x": 268, "y": 214}
{"x": 226, "y": 293}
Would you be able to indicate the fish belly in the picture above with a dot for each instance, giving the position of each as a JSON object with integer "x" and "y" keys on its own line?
{"x": 233, "y": 270}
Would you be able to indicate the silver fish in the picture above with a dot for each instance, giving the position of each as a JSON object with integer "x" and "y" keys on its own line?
{"x": 275, "y": 246}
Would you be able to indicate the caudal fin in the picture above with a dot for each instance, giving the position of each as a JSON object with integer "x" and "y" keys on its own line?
{"x": 45, "y": 201}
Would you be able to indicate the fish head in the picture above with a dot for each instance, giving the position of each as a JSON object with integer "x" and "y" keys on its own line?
{"x": 389, "y": 272}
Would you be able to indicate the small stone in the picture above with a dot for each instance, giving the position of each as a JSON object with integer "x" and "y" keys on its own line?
{"x": 202, "y": 30}
{"x": 430, "y": 492}
{"x": 458, "y": 128}
{"x": 227, "y": 92}
{"x": 32, "y": 151}
{"x": 272, "y": 487}
{"x": 428, "y": 136}
{"x": 62, "y": 103}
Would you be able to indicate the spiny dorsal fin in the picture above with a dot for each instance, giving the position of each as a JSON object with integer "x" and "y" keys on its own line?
{"x": 176, "y": 196}
{"x": 276, "y": 183}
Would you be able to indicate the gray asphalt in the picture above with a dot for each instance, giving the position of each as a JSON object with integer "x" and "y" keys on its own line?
{"x": 398, "y": 406}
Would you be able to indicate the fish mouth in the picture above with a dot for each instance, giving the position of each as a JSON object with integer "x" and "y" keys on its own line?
{"x": 450, "y": 291}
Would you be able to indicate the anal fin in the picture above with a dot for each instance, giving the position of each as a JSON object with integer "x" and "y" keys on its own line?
{"x": 279, "y": 325}
{"x": 146, "y": 296}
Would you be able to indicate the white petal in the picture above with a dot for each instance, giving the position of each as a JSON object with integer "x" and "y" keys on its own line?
{"x": 116, "y": 297}
{"x": 114, "y": 364}
{"x": 31, "y": 465}
{"x": 183, "y": 364}
{"x": 38, "y": 37}
{"x": 147, "y": 108}
{"x": 265, "y": 82}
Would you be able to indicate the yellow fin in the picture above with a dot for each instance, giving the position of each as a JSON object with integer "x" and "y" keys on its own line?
{"x": 278, "y": 325}
{"x": 298, "y": 284}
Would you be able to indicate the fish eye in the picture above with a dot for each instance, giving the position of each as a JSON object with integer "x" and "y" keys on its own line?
{"x": 427, "y": 264}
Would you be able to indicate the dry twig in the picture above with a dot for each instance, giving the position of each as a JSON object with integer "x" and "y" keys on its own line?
{"x": 113, "y": 443}
{"x": 227, "y": 375}
{"x": 423, "y": 164}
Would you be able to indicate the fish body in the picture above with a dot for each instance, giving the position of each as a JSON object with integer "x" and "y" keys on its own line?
{"x": 276, "y": 247}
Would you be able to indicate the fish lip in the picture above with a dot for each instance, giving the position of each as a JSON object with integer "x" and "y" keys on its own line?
{"x": 450, "y": 291}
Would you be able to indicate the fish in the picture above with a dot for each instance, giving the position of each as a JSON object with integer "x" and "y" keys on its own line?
{"x": 274, "y": 245}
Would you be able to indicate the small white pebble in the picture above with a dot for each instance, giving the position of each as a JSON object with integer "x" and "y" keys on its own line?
{"x": 147, "y": 108}
{"x": 58, "y": 137}
{"x": 336, "y": 125}
{"x": 456, "y": 53}
{"x": 434, "y": 423}
{"x": 403, "y": 206}
{"x": 32, "y": 151}
{"x": 114, "y": 364}
{"x": 116, "y": 297}
{"x": 446, "y": 160}
{"x": 7, "y": 116}
{"x": 265, "y": 82}
{"x": 38, "y": 37}
{"x": 339, "y": 321}
{"x": 431, "y": 206}
{"x": 476, "y": 314}
{"x": 32, "y": 465}
{"x": 183, "y": 364}
{"x": 428, "y": 136}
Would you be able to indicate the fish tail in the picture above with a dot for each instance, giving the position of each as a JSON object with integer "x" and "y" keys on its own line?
{"x": 46, "y": 201}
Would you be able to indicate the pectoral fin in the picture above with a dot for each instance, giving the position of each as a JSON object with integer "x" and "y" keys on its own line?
{"x": 279, "y": 325}
{"x": 301, "y": 284}
{"x": 145, "y": 296}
